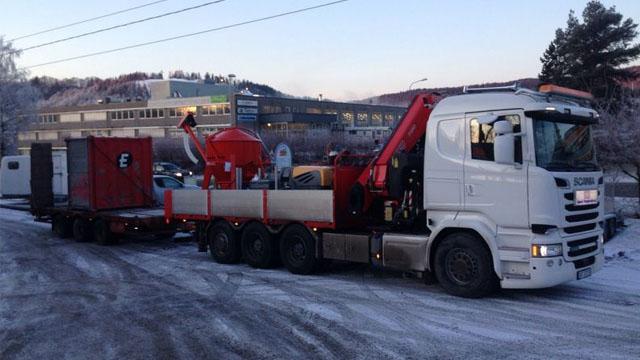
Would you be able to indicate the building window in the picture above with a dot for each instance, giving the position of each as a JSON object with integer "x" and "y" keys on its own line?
{"x": 121, "y": 115}
{"x": 48, "y": 118}
{"x": 176, "y": 112}
{"x": 389, "y": 118}
{"x": 314, "y": 110}
{"x": 376, "y": 119}
{"x": 346, "y": 118}
{"x": 330, "y": 111}
{"x": 362, "y": 119}
{"x": 271, "y": 109}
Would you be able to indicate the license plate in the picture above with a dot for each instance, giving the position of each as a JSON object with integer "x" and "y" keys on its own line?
{"x": 585, "y": 273}
{"x": 586, "y": 197}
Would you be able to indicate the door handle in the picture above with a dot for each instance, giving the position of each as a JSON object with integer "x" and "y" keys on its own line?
{"x": 471, "y": 190}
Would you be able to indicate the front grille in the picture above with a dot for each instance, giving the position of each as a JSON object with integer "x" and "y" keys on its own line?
{"x": 582, "y": 217}
{"x": 571, "y": 217}
{"x": 572, "y": 207}
{"x": 579, "y": 228}
{"x": 578, "y": 247}
{"x": 579, "y": 264}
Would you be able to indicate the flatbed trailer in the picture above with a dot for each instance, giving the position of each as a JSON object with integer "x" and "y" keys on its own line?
{"x": 107, "y": 226}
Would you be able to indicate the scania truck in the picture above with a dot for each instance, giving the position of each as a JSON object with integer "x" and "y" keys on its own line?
{"x": 496, "y": 187}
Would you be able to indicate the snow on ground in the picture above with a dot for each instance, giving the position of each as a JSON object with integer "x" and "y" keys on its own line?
{"x": 163, "y": 299}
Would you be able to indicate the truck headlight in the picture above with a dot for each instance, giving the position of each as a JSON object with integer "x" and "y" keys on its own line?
{"x": 546, "y": 250}
{"x": 179, "y": 174}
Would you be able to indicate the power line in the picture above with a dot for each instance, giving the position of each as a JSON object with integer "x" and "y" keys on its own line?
{"x": 187, "y": 35}
{"x": 115, "y": 27}
{"x": 88, "y": 20}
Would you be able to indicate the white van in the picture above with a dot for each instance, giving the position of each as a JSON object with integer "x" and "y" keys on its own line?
{"x": 15, "y": 175}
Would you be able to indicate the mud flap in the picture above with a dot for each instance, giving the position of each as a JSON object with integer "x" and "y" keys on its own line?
{"x": 201, "y": 237}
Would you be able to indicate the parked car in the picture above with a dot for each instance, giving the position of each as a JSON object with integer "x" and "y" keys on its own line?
{"x": 170, "y": 169}
{"x": 164, "y": 182}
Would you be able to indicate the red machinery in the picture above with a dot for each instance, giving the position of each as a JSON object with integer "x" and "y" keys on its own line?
{"x": 226, "y": 151}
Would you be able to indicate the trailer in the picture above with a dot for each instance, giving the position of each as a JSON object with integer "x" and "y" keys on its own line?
{"x": 494, "y": 188}
{"x": 110, "y": 190}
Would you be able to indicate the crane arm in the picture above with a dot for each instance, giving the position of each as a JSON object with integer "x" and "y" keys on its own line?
{"x": 409, "y": 131}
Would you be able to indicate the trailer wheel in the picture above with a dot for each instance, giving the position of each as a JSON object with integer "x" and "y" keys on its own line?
{"x": 61, "y": 226}
{"x": 223, "y": 243}
{"x": 102, "y": 233}
{"x": 297, "y": 250}
{"x": 259, "y": 248}
{"x": 82, "y": 230}
{"x": 464, "y": 267}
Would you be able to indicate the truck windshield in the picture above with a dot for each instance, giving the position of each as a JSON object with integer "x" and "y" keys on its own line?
{"x": 563, "y": 146}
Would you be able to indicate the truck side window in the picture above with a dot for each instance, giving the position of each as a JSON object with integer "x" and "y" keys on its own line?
{"x": 482, "y": 137}
{"x": 13, "y": 165}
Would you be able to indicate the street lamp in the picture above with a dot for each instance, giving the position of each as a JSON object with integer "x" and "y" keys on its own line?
{"x": 232, "y": 107}
{"x": 417, "y": 81}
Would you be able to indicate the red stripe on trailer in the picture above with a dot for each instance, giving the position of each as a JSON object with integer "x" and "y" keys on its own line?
{"x": 168, "y": 205}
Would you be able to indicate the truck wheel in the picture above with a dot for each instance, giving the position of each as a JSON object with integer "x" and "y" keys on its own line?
{"x": 82, "y": 230}
{"x": 464, "y": 267}
{"x": 259, "y": 248}
{"x": 102, "y": 232}
{"x": 61, "y": 226}
{"x": 223, "y": 243}
{"x": 297, "y": 250}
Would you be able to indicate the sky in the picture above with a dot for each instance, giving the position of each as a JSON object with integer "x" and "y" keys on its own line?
{"x": 346, "y": 51}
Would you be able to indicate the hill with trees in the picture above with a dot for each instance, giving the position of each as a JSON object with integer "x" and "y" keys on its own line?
{"x": 83, "y": 91}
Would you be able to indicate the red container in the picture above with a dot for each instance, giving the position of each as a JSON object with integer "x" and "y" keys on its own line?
{"x": 110, "y": 173}
{"x": 234, "y": 148}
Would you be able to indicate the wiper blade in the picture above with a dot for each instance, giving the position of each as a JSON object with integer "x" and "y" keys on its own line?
{"x": 586, "y": 165}
{"x": 559, "y": 164}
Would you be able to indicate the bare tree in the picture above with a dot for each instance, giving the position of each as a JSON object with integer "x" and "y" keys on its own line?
{"x": 618, "y": 138}
{"x": 17, "y": 99}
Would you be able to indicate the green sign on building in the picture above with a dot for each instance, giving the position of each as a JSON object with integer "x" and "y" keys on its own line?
{"x": 215, "y": 99}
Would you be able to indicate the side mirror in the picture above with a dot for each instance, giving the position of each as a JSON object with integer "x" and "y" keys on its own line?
{"x": 504, "y": 144}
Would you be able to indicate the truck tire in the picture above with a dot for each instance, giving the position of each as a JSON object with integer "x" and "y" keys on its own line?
{"x": 224, "y": 246}
{"x": 259, "y": 248}
{"x": 102, "y": 233}
{"x": 61, "y": 226}
{"x": 464, "y": 266}
{"x": 82, "y": 231}
{"x": 297, "y": 250}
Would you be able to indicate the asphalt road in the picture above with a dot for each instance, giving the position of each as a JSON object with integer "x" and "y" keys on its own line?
{"x": 163, "y": 299}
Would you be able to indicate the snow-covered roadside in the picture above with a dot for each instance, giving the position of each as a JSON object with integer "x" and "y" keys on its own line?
{"x": 626, "y": 244}
{"x": 161, "y": 299}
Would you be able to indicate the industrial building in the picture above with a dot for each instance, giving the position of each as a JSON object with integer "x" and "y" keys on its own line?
{"x": 172, "y": 99}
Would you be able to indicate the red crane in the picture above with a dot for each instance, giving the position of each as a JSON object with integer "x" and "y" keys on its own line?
{"x": 373, "y": 181}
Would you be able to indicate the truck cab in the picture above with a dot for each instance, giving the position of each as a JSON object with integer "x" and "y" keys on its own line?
{"x": 517, "y": 171}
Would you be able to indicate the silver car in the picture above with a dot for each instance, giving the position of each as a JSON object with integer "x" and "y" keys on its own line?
{"x": 164, "y": 182}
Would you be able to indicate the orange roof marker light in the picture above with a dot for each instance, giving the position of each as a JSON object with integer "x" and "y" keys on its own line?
{"x": 564, "y": 91}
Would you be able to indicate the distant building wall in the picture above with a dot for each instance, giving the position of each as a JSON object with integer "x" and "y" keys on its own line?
{"x": 159, "y": 116}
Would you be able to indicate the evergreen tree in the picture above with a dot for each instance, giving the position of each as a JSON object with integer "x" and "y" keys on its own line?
{"x": 589, "y": 55}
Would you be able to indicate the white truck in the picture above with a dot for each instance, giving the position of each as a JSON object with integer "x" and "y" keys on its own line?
{"x": 15, "y": 175}
{"x": 495, "y": 187}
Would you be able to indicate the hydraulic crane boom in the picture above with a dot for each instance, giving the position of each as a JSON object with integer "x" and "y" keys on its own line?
{"x": 372, "y": 182}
